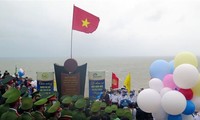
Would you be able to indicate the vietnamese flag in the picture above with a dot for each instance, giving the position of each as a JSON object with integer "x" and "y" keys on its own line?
{"x": 84, "y": 21}
{"x": 115, "y": 81}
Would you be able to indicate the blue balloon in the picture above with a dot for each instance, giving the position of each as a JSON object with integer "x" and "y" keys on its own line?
{"x": 175, "y": 117}
{"x": 159, "y": 69}
{"x": 20, "y": 74}
{"x": 190, "y": 108}
{"x": 171, "y": 63}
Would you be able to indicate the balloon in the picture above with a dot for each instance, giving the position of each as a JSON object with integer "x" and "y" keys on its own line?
{"x": 187, "y": 117}
{"x": 149, "y": 100}
{"x": 21, "y": 72}
{"x": 190, "y": 108}
{"x": 196, "y": 88}
{"x": 185, "y": 58}
{"x": 196, "y": 101}
{"x": 159, "y": 69}
{"x": 187, "y": 93}
{"x": 156, "y": 84}
{"x": 171, "y": 64}
{"x": 186, "y": 76}
{"x": 169, "y": 82}
{"x": 175, "y": 117}
{"x": 164, "y": 90}
{"x": 173, "y": 102}
{"x": 160, "y": 114}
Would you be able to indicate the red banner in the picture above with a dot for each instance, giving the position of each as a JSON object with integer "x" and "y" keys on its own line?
{"x": 115, "y": 81}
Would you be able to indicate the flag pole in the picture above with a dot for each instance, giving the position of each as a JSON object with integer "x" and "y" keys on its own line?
{"x": 71, "y": 42}
{"x": 72, "y": 33}
{"x": 15, "y": 69}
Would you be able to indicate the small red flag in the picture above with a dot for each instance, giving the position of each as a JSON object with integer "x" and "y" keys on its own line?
{"x": 84, "y": 21}
{"x": 115, "y": 81}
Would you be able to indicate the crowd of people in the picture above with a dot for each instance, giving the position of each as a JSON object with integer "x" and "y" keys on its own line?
{"x": 125, "y": 100}
{"x": 20, "y": 100}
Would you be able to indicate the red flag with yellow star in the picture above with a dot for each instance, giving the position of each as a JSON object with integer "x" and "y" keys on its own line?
{"x": 115, "y": 81}
{"x": 84, "y": 21}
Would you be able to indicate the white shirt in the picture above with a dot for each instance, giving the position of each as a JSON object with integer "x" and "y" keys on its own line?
{"x": 133, "y": 98}
{"x": 197, "y": 117}
{"x": 115, "y": 98}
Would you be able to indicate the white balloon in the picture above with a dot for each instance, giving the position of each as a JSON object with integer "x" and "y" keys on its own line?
{"x": 196, "y": 101}
{"x": 187, "y": 117}
{"x": 164, "y": 90}
{"x": 156, "y": 84}
{"x": 185, "y": 76}
{"x": 160, "y": 114}
{"x": 173, "y": 102}
{"x": 21, "y": 70}
{"x": 149, "y": 100}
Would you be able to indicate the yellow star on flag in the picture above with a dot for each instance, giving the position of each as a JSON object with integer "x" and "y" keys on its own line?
{"x": 85, "y": 23}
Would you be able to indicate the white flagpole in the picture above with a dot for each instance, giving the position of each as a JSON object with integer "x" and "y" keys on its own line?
{"x": 71, "y": 42}
{"x": 72, "y": 34}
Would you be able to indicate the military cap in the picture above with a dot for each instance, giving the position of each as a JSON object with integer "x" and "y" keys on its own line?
{"x": 108, "y": 109}
{"x": 103, "y": 105}
{"x": 95, "y": 103}
{"x": 120, "y": 112}
{"x": 74, "y": 98}
{"x": 41, "y": 101}
{"x": 8, "y": 92}
{"x": 67, "y": 100}
{"x": 14, "y": 96}
{"x": 114, "y": 107}
{"x": 7, "y": 79}
{"x": 80, "y": 103}
{"x": 128, "y": 115}
{"x": 63, "y": 97}
{"x": 27, "y": 103}
{"x": 55, "y": 107}
{"x": 52, "y": 97}
{"x": 95, "y": 109}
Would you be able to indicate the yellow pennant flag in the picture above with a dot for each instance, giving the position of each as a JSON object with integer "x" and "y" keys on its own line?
{"x": 127, "y": 82}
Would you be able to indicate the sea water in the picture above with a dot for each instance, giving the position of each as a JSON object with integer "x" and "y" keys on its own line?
{"x": 138, "y": 67}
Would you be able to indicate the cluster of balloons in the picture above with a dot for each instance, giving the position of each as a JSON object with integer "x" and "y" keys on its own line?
{"x": 21, "y": 72}
{"x": 174, "y": 88}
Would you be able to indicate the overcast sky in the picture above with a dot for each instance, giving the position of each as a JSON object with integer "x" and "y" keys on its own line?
{"x": 42, "y": 28}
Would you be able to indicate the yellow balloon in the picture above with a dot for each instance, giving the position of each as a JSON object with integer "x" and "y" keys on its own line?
{"x": 185, "y": 58}
{"x": 196, "y": 88}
